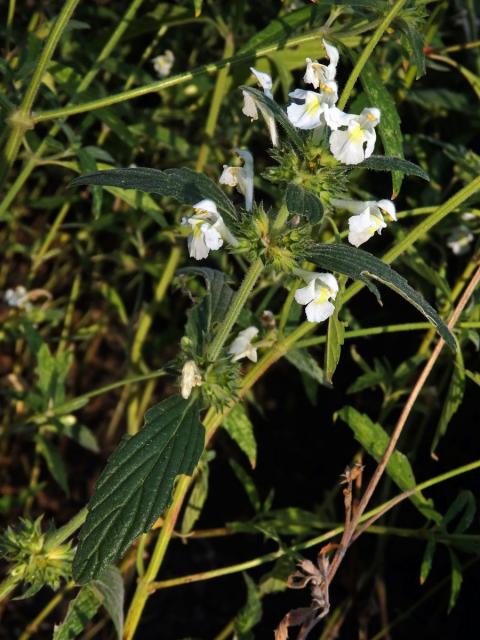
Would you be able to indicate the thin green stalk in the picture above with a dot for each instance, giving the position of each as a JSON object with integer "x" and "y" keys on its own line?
{"x": 237, "y": 305}
{"x": 52, "y": 232}
{"x": 374, "y": 331}
{"x": 317, "y": 540}
{"x": 172, "y": 81}
{"x": 367, "y": 52}
{"x": 33, "y": 160}
{"x": 20, "y": 121}
{"x": 7, "y": 586}
{"x": 68, "y": 529}
{"x": 216, "y": 103}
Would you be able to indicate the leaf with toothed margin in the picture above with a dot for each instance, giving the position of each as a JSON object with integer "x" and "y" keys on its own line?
{"x": 185, "y": 185}
{"x": 136, "y": 485}
{"x": 361, "y": 265}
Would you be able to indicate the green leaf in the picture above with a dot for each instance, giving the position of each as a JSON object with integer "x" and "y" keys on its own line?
{"x": 474, "y": 376}
{"x": 389, "y": 126}
{"x": 456, "y": 579}
{"x": 111, "y": 593}
{"x": 335, "y": 339}
{"x": 427, "y": 560}
{"x": 79, "y": 613}
{"x": 141, "y": 201}
{"x": 136, "y": 485}
{"x": 246, "y": 480}
{"x": 88, "y": 163}
{"x": 240, "y": 429}
{"x": 304, "y": 203}
{"x": 52, "y": 457}
{"x": 205, "y": 316}
{"x": 278, "y": 113}
{"x": 278, "y": 30}
{"x": 185, "y": 185}
{"x": 464, "y": 502}
{"x": 416, "y": 42}
{"x": 197, "y": 496}
{"x": 375, "y": 440}
{"x": 304, "y": 362}
{"x": 384, "y": 163}
{"x": 251, "y": 613}
{"x": 453, "y": 399}
{"x": 78, "y": 432}
{"x": 197, "y": 5}
{"x": 361, "y": 265}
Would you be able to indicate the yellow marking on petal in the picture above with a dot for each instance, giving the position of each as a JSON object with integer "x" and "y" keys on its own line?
{"x": 312, "y": 107}
{"x": 356, "y": 133}
{"x": 324, "y": 295}
{"x": 326, "y": 88}
{"x": 370, "y": 117}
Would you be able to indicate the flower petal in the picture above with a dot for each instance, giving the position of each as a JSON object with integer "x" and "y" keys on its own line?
{"x": 318, "y": 312}
{"x": 306, "y": 294}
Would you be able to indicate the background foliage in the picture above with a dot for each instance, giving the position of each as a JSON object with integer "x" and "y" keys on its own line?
{"x": 88, "y": 353}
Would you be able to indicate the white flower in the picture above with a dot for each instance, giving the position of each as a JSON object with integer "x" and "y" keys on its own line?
{"x": 18, "y": 298}
{"x": 308, "y": 109}
{"x": 241, "y": 177}
{"x": 368, "y": 218}
{"x": 242, "y": 346}
{"x": 459, "y": 240}
{"x": 321, "y": 75}
{"x": 207, "y": 228}
{"x": 163, "y": 64}
{"x": 251, "y": 106}
{"x": 190, "y": 378}
{"x": 347, "y": 145}
{"x": 316, "y": 296}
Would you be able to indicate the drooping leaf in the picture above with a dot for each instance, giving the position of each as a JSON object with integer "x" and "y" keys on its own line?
{"x": 251, "y": 612}
{"x": 52, "y": 457}
{"x": 306, "y": 363}
{"x": 375, "y": 440}
{"x": 453, "y": 399}
{"x": 416, "y": 43}
{"x": 78, "y": 432}
{"x": 136, "y": 485}
{"x": 204, "y": 317}
{"x": 278, "y": 113}
{"x": 456, "y": 579}
{"x": 427, "y": 560}
{"x": 361, "y": 265}
{"x": 335, "y": 339}
{"x": 464, "y": 506}
{"x": 198, "y": 494}
{"x": 111, "y": 593}
{"x": 304, "y": 203}
{"x": 247, "y": 482}
{"x": 384, "y": 163}
{"x": 389, "y": 126}
{"x": 185, "y": 185}
{"x": 240, "y": 429}
{"x": 79, "y": 613}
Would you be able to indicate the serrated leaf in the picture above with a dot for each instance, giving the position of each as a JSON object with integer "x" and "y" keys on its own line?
{"x": 361, "y": 265}
{"x": 453, "y": 399}
{"x": 456, "y": 580}
{"x": 427, "y": 560}
{"x": 52, "y": 457}
{"x": 304, "y": 203}
{"x": 304, "y": 362}
{"x": 240, "y": 429}
{"x": 389, "y": 126}
{"x": 185, "y": 185}
{"x": 375, "y": 440}
{"x": 251, "y": 613}
{"x": 79, "y": 613}
{"x": 136, "y": 485}
{"x": 278, "y": 113}
{"x": 111, "y": 593}
{"x": 385, "y": 163}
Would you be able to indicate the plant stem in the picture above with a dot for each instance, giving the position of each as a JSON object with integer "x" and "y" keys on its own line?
{"x": 7, "y": 586}
{"x": 340, "y": 553}
{"x": 21, "y": 120}
{"x": 374, "y": 331}
{"x": 237, "y": 305}
{"x": 367, "y": 52}
{"x": 66, "y": 531}
{"x": 313, "y": 542}
{"x": 173, "y": 81}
